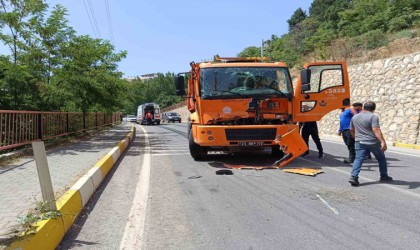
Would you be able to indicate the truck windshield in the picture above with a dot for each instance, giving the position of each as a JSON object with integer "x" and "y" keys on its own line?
{"x": 240, "y": 82}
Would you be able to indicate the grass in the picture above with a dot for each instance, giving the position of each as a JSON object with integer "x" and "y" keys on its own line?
{"x": 403, "y": 34}
{"x": 40, "y": 212}
{"x": 27, "y": 223}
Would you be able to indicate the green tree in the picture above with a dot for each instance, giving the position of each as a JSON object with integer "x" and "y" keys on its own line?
{"x": 160, "y": 90}
{"x": 363, "y": 17}
{"x": 50, "y": 68}
{"x": 89, "y": 75}
{"x": 17, "y": 20}
{"x": 45, "y": 55}
{"x": 403, "y": 14}
{"x": 250, "y": 52}
{"x": 283, "y": 49}
{"x": 298, "y": 16}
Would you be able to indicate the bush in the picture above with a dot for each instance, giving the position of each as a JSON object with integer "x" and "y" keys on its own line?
{"x": 399, "y": 23}
{"x": 371, "y": 40}
{"x": 403, "y": 34}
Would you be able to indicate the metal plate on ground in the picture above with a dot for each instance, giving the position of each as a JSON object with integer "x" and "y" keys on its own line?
{"x": 304, "y": 171}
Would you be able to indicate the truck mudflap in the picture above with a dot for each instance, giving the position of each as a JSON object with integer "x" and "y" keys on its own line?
{"x": 292, "y": 145}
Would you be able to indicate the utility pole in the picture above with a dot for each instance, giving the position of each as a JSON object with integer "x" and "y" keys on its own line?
{"x": 262, "y": 47}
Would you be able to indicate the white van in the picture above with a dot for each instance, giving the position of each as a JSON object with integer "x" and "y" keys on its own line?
{"x": 153, "y": 108}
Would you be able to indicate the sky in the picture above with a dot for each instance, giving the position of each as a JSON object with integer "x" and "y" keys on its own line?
{"x": 166, "y": 35}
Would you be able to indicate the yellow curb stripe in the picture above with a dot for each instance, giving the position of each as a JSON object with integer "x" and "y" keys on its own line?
{"x": 122, "y": 145}
{"x": 50, "y": 232}
{"x": 70, "y": 205}
{"x": 48, "y": 235}
{"x": 404, "y": 145}
{"x": 105, "y": 164}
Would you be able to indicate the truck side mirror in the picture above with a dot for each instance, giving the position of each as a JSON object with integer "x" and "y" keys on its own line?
{"x": 305, "y": 87}
{"x": 179, "y": 85}
{"x": 305, "y": 76}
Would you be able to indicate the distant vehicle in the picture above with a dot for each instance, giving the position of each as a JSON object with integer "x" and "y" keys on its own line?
{"x": 171, "y": 117}
{"x": 153, "y": 108}
{"x": 131, "y": 118}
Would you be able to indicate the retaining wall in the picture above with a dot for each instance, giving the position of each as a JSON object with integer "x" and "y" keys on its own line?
{"x": 394, "y": 84}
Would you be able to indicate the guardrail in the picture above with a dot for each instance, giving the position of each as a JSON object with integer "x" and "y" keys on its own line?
{"x": 18, "y": 128}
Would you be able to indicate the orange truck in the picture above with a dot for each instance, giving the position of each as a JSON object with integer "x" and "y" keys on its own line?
{"x": 248, "y": 104}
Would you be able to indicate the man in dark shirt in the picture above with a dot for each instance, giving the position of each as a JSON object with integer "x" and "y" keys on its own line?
{"x": 344, "y": 130}
{"x": 368, "y": 136}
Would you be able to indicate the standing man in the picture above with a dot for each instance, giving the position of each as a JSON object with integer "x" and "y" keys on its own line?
{"x": 368, "y": 136}
{"x": 344, "y": 130}
{"x": 311, "y": 129}
{"x": 148, "y": 118}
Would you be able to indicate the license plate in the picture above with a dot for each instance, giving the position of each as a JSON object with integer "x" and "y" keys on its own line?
{"x": 251, "y": 143}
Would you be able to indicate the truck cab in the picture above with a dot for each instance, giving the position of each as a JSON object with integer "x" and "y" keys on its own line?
{"x": 240, "y": 104}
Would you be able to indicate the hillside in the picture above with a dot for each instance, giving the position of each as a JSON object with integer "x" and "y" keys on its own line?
{"x": 342, "y": 30}
{"x": 398, "y": 47}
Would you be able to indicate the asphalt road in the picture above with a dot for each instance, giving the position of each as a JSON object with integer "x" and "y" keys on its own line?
{"x": 158, "y": 197}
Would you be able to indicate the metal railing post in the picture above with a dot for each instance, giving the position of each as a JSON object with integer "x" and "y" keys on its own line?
{"x": 67, "y": 123}
{"x": 84, "y": 120}
{"x": 39, "y": 118}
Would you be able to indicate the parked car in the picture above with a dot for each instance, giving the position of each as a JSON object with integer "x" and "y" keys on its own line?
{"x": 171, "y": 117}
{"x": 131, "y": 118}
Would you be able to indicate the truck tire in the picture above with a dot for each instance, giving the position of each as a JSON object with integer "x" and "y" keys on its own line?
{"x": 197, "y": 152}
{"x": 275, "y": 151}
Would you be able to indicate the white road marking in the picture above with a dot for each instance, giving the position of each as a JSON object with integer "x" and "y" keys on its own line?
{"x": 328, "y": 205}
{"x": 389, "y": 185}
{"x": 134, "y": 229}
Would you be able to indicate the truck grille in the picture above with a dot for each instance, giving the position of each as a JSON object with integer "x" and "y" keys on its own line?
{"x": 250, "y": 134}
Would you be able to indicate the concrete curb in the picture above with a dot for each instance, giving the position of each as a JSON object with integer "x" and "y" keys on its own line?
{"x": 50, "y": 232}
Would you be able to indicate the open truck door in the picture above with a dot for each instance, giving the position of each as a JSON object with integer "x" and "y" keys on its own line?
{"x": 321, "y": 88}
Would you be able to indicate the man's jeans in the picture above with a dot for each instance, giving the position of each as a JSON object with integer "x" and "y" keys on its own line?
{"x": 361, "y": 151}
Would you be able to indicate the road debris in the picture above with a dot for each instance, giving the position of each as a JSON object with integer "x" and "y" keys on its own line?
{"x": 195, "y": 177}
{"x": 304, "y": 171}
{"x": 224, "y": 172}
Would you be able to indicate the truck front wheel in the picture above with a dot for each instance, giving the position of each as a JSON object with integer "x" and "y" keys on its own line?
{"x": 197, "y": 152}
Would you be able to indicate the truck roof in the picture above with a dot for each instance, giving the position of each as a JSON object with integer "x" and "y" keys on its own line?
{"x": 242, "y": 64}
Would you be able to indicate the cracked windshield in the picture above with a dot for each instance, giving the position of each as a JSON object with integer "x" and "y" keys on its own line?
{"x": 244, "y": 82}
